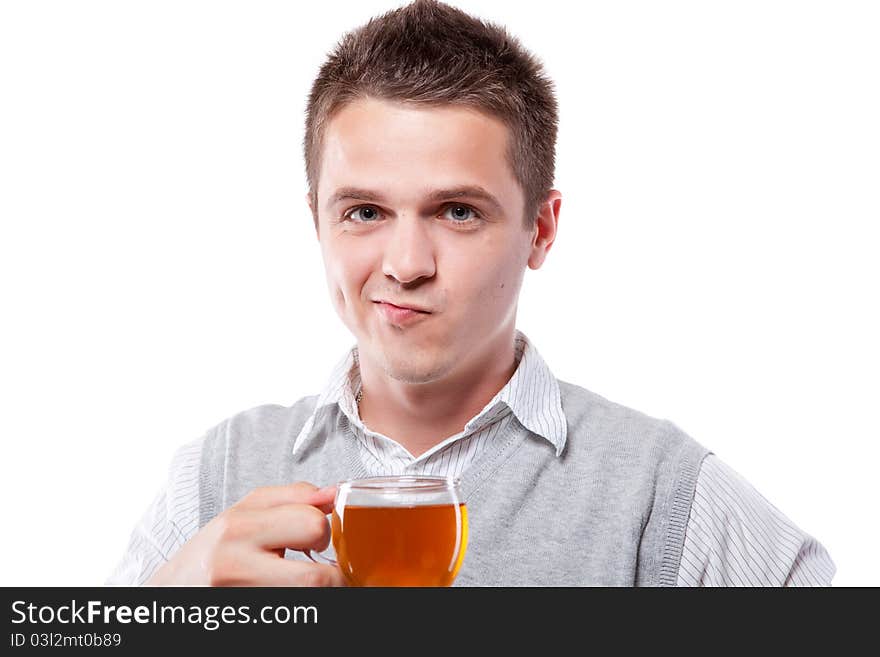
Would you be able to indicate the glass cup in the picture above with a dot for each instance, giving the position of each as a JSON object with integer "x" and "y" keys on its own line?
{"x": 407, "y": 530}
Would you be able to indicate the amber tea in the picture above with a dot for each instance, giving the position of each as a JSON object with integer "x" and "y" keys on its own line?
{"x": 417, "y": 545}
{"x": 406, "y": 530}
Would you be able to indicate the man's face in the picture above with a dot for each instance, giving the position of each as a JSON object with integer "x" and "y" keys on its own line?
{"x": 419, "y": 208}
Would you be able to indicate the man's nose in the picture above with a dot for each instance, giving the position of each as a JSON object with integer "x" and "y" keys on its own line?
{"x": 409, "y": 254}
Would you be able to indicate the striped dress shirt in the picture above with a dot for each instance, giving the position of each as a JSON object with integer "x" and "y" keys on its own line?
{"x": 734, "y": 536}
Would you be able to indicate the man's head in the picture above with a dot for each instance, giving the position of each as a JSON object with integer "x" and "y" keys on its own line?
{"x": 429, "y": 147}
{"x": 430, "y": 54}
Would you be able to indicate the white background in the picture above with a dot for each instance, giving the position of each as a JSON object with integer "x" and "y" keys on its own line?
{"x": 716, "y": 263}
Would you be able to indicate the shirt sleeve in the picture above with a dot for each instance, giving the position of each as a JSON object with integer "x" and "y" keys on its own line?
{"x": 169, "y": 522}
{"x": 735, "y": 537}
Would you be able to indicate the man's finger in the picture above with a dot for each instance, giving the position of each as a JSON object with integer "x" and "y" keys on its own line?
{"x": 301, "y": 573}
{"x": 294, "y": 526}
{"x": 301, "y": 492}
{"x": 269, "y": 570}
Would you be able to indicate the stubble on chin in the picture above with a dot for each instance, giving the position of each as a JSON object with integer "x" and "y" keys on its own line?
{"x": 412, "y": 367}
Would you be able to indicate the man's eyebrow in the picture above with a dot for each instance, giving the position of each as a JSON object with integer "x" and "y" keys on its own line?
{"x": 353, "y": 194}
{"x": 466, "y": 191}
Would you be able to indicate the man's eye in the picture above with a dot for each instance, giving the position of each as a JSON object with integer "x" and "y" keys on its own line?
{"x": 364, "y": 213}
{"x": 460, "y": 213}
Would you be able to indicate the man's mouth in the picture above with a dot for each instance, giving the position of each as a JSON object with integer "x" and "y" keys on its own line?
{"x": 400, "y": 315}
{"x": 403, "y": 306}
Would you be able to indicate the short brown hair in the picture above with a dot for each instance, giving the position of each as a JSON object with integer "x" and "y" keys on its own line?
{"x": 430, "y": 53}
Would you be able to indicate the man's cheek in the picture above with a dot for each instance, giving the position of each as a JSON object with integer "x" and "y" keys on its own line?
{"x": 339, "y": 301}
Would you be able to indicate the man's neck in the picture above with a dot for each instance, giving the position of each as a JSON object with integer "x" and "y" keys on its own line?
{"x": 420, "y": 417}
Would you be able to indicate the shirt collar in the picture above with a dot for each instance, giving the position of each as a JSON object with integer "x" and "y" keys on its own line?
{"x": 532, "y": 394}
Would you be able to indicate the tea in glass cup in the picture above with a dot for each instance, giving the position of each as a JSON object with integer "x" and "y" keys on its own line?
{"x": 407, "y": 530}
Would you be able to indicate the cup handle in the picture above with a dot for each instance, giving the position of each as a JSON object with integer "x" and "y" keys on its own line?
{"x": 323, "y": 559}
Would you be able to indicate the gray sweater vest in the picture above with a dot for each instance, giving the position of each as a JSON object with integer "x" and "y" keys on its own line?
{"x": 611, "y": 510}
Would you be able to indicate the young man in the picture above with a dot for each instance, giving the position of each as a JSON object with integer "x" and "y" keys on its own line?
{"x": 429, "y": 150}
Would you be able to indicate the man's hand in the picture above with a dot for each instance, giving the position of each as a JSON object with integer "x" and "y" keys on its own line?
{"x": 244, "y": 545}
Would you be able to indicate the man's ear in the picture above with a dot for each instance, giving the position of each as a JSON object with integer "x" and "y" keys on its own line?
{"x": 314, "y": 214}
{"x": 544, "y": 232}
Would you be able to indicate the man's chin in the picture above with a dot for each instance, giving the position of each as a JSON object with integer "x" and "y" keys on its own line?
{"x": 414, "y": 375}
{"x": 412, "y": 366}
{"x": 407, "y": 363}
